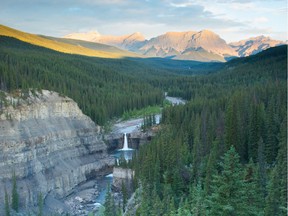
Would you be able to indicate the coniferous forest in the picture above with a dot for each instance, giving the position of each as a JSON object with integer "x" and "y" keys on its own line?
{"x": 225, "y": 151}
{"x": 103, "y": 88}
{"x": 222, "y": 153}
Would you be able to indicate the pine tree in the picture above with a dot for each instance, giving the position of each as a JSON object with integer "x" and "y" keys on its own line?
{"x": 168, "y": 200}
{"x": 124, "y": 195}
{"x": 276, "y": 200}
{"x": 7, "y": 208}
{"x": 231, "y": 125}
{"x": 255, "y": 201}
{"x": 15, "y": 196}
{"x": 154, "y": 120}
{"x": 40, "y": 204}
{"x": 228, "y": 188}
{"x": 171, "y": 209}
{"x": 146, "y": 203}
{"x": 211, "y": 167}
{"x": 272, "y": 199}
{"x": 157, "y": 207}
{"x": 184, "y": 209}
{"x": 282, "y": 167}
{"x": 262, "y": 169}
{"x": 198, "y": 205}
{"x": 271, "y": 147}
{"x": 110, "y": 209}
{"x": 196, "y": 152}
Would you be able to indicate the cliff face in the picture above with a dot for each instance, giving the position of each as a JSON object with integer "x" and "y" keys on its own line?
{"x": 49, "y": 144}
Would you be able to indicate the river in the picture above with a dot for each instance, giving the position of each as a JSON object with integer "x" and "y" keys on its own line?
{"x": 128, "y": 126}
{"x": 134, "y": 125}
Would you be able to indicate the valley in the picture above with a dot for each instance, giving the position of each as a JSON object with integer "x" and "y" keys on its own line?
{"x": 222, "y": 126}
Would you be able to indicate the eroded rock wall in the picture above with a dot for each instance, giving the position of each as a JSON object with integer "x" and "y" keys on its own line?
{"x": 50, "y": 145}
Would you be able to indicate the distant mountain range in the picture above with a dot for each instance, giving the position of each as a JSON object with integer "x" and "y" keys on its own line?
{"x": 67, "y": 45}
{"x": 204, "y": 46}
{"x": 254, "y": 45}
{"x": 201, "y": 46}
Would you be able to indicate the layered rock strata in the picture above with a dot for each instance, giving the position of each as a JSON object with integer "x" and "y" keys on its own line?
{"x": 50, "y": 145}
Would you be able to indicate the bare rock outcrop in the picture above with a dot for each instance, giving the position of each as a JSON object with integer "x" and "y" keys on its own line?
{"x": 50, "y": 145}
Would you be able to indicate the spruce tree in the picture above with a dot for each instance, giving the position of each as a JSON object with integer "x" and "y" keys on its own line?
{"x": 255, "y": 201}
{"x": 228, "y": 188}
{"x": 40, "y": 204}
{"x": 272, "y": 199}
{"x": 157, "y": 205}
{"x": 282, "y": 167}
{"x": 198, "y": 205}
{"x": 211, "y": 167}
{"x": 7, "y": 208}
{"x": 110, "y": 209}
{"x": 276, "y": 200}
{"x": 124, "y": 195}
{"x": 15, "y": 196}
{"x": 262, "y": 169}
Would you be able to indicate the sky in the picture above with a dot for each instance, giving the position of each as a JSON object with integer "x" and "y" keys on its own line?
{"x": 233, "y": 20}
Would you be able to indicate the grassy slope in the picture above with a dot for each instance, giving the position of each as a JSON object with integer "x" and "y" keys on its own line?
{"x": 93, "y": 46}
{"x": 57, "y": 45}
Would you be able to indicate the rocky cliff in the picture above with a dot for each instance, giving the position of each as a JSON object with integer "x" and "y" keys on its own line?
{"x": 50, "y": 145}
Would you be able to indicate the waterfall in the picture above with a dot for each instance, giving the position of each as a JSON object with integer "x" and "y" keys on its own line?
{"x": 125, "y": 144}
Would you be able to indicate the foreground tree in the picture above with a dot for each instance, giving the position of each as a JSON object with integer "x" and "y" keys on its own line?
{"x": 110, "y": 209}
{"x": 276, "y": 200}
{"x": 15, "y": 196}
{"x": 7, "y": 209}
{"x": 228, "y": 188}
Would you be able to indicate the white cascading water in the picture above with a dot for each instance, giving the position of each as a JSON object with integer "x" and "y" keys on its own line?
{"x": 125, "y": 146}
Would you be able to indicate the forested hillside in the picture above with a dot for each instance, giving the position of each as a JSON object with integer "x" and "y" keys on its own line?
{"x": 62, "y": 46}
{"x": 103, "y": 88}
{"x": 225, "y": 151}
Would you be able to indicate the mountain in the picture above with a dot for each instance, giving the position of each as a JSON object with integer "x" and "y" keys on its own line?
{"x": 203, "y": 46}
{"x": 129, "y": 42}
{"x": 93, "y": 46}
{"x": 254, "y": 45}
{"x": 171, "y": 42}
{"x": 65, "y": 46}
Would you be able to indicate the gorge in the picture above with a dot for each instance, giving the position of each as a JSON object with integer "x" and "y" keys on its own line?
{"x": 50, "y": 145}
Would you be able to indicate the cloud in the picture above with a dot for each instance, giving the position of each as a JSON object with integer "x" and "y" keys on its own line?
{"x": 260, "y": 20}
{"x": 151, "y": 17}
{"x": 181, "y": 5}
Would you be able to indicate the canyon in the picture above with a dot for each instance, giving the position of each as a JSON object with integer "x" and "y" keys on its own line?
{"x": 50, "y": 146}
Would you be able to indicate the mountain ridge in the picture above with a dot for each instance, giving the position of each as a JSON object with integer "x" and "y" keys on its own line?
{"x": 204, "y": 46}
{"x": 185, "y": 45}
{"x": 254, "y": 45}
{"x": 61, "y": 46}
